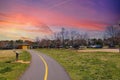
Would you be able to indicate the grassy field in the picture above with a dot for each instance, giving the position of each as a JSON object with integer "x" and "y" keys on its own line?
{"x": 87, "y": 65}
{"x": 9, "y": 69}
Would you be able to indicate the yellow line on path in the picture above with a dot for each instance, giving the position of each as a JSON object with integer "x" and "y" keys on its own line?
{"x": 46, "y": 67}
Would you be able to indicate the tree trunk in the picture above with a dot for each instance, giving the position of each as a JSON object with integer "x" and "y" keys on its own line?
{"x": 119, "y": 47}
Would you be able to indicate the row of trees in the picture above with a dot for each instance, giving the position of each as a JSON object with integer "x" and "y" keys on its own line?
{"x": 66, "y": 39}
{"x": 113, "y": 35}
{"x": 13, "y": 44}
{"x": 70, "y": 39}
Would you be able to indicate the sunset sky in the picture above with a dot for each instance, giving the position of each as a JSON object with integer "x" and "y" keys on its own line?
{"x": 27, "y": 19}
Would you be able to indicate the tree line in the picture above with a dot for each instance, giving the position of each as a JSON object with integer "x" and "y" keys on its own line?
{"x": 70, "y": 39}
{"x": 74, "y": 39}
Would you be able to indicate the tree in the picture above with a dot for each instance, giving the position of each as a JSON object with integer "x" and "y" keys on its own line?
{"x": 72, "y": 36}
{"x": 119, "y": 37}
{"x": 37, "y": 41}
{"x": 63, "y": 36}
{"x": 82, "y": 39}
{"x": 113, "y": 33}
{"x": 19, "y": 41}
{"x": 57, "y": 40}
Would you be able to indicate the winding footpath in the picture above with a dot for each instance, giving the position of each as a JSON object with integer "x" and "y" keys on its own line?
{"x": 43, "y": 67}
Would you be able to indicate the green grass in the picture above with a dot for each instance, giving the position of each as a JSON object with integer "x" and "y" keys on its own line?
{"x": 9, "y": 69}
{"x": 25, "y": 56}
{"x": 87, "y": 66}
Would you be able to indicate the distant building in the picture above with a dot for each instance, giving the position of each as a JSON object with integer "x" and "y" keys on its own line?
{"x": 18, "y": 44}
{"x": 24, "y": 46}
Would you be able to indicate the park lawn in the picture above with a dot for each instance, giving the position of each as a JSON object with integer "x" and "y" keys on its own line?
{"x": 87, "y": 65}
{"x": 9, "y": 69}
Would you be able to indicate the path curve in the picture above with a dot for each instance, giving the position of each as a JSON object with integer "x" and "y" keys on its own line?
{"x": 41, "y": 66}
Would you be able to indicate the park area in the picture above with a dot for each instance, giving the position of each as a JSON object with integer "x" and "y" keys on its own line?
{"x": 11, "y": 69}
{"x": 87, "y": 65}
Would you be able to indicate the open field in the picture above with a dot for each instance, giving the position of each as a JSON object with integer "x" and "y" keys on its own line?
{"x": 87, "y": 65}
{"x": 9, "y": 69}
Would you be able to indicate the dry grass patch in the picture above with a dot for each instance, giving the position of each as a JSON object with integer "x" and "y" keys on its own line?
{"x": 24, "y": 62}
{"x": 100, "y": 50}
{"x": 6, "y": 55}
{"x": 9, "y": 68}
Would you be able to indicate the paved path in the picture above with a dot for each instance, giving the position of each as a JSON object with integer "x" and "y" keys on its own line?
{"x": 43, "y": 67}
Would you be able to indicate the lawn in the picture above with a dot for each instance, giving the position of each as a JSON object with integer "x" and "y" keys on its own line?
{"x": 9, "y": 69}
{"x": 87, "y": 65}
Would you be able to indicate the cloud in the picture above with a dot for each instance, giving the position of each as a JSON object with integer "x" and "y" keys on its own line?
{"x": 21, "y": 21}
{"x": 35, "y": 16}
{"x": 59, "y": 4}
{"x": 26, "y": 38}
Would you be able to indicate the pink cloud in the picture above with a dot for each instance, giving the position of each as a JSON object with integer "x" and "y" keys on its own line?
{"x": 34, "y": 19}
{"x": 37, "y": 16}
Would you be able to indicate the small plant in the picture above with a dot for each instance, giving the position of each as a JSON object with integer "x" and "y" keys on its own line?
{"x": 3, "y": 78}
{"x": 6, "y": 69}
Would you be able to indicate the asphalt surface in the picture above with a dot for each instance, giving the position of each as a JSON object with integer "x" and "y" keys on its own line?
{"x": 43, "y": 67}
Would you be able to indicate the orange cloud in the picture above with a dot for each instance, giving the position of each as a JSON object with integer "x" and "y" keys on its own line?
{"x": 24, "y": 22}
{"x": 26, "y": 38}
{"x": 37, "y": 16}
{"x": 38, "y": 22}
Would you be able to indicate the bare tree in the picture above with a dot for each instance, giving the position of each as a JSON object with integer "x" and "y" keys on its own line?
{"x": 63, "y": 36}
{"x": 57, "y": 36}
{"x": 83, "y": 38}
{"x": 58, "y": 41}
{"x": 119, "y": 36}
{"x": 72, "y": 36}
{"x": 37, "y": 41}
{"x": 112, "y": 33}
